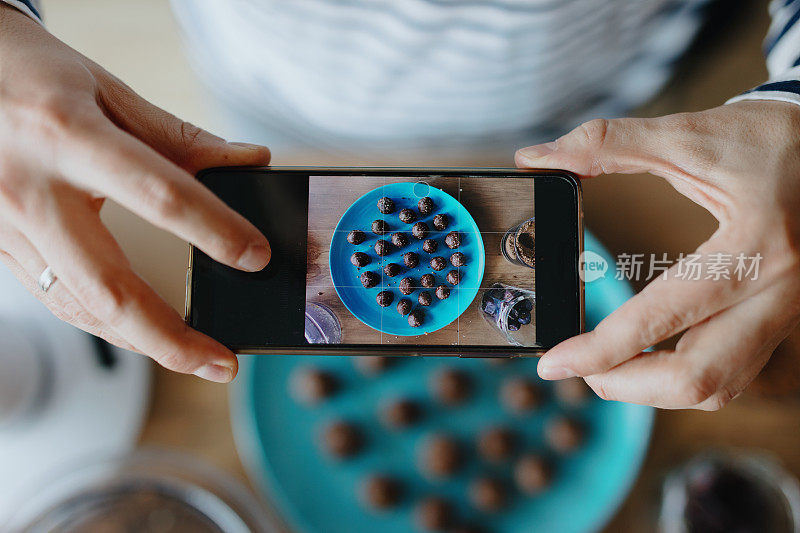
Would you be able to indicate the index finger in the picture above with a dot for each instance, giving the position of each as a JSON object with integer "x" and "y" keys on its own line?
{"x": 142, "y": 180}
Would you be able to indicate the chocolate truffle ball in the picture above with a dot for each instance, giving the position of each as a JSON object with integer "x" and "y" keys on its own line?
{"x": 453, "y": 277}
{"x": 371, "y": 365}
{"x": 437, "y": 263}
{"x": 425, "y": 298}
{"x": 407, "y": 215}
{"x": 381, "y": 492}
{"x": 520, "y": 395}
{"x": 496, "y": 444}
{"x": 383, "y": 247}
{"x": 442, "y": 292}
{"x": 427, "y": 281}
{"x": 311, "y": 386}
{"x": 429, "y": 246}
{"x": 440, "y": 456}
{"x": 401, "y": 414}
{"x": 441, "y": 221}
{"x": 419, "y": 230}
{"x": 532, "y": 474}
{"x": 356, "y": 237}
{"x": 434, "y": 514}
{"x": 369, "y": 279}
{"x": 407, "y": 285}
{"x": 458, "y": 259}
{"x": 399, "y": 239}
{"x": 411, "y": 259}
{"x": 416, "y": 318}
{"x": 380, "y": 227}
{"x": 384, "y": 298}
{"x": 359, "y": 259}
{"x": 564, "y": 435}
{"x": 404, "y": 306}
{"x": 453, "y": 240}
{"x": 425, "y": 205}
{"x": 342, "y": 439}
{"x": 488, "y": 494}
{"x": 386, "y": 205}
{"x": 451, "y": 387}
{"x": 392, "y": 269}
{"x": 572, "y": 391}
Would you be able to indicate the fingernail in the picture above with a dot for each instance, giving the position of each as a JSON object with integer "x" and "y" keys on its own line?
{"x": 254, "y": 258}
{"x": 250, "y": 146}
{"x": 537, "y": 151}
{"x": 551, "y": 371}
{"x": 215, "y": 373}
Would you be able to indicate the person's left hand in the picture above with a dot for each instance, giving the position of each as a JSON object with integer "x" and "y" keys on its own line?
{"x": 741, "y": 162}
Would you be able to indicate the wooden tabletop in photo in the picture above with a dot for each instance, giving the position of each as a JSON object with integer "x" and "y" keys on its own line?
{"x": 496, "y": 204}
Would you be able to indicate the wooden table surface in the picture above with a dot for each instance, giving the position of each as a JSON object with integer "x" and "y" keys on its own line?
{"x": 496, "y": 204}
{"x": 628, "y": 213}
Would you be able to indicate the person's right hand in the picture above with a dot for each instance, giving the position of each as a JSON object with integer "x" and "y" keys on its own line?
{"x": 71, "y": 135}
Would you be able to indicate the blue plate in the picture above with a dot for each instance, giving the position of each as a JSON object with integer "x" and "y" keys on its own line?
{"x": 278, "y": 440}
{"x": 361, "y": 302}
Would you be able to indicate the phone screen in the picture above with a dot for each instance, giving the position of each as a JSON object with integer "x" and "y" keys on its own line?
{"x": 438, "y": 262}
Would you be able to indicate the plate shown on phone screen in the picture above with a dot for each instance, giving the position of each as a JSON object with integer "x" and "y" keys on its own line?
{"x": 361, "y": 302}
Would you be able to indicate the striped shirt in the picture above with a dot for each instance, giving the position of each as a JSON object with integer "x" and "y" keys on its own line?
{"x": 375, "y": 74}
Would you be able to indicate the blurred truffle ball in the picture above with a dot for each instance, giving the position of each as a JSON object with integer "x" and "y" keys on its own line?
{"x": 488, "y": 494}
{"x": 520, "y": 395}
{"x": 440, "y": 456}
{"x": 342, "y": 439}
{"x": 434, "y": 514}
{"x": 532, "y": 474}
{"x": 565, "y": 435}
{"x": 401, "y": 414}
{"x": 311, "y": 386}
{"x": 371, "y": 365}
{"x": 442, "y": 292}
{"x": 496, "y": 444}
{"x": 572, "y": 391}
{"x": 451, "y": 386}
{"x": 381, "y": 492}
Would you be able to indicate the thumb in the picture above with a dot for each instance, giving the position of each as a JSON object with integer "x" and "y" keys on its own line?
{"x": 186, "y": 145}
{"x": 603, "y": 146}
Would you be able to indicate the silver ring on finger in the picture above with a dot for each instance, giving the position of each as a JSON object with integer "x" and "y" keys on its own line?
{"x": 46, "y": 279}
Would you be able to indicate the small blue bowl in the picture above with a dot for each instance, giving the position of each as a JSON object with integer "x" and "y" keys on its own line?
{"x": 361, "y": 302}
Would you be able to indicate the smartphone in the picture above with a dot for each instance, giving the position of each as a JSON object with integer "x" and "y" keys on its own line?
{"x": 396, "y": 261}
